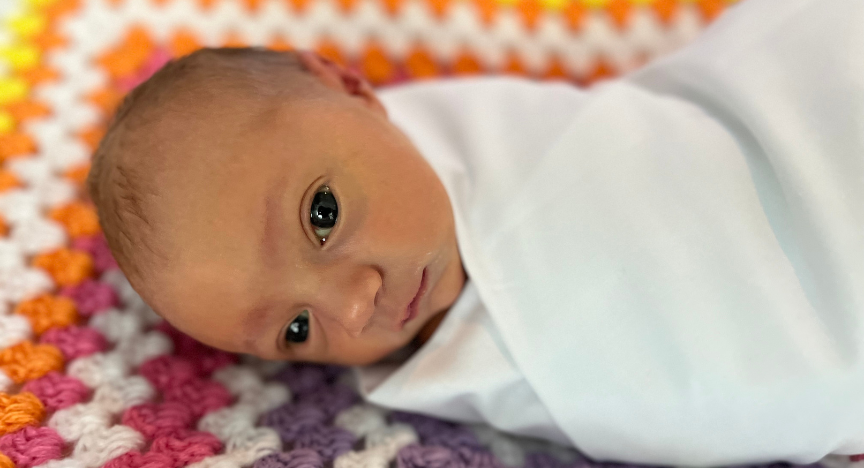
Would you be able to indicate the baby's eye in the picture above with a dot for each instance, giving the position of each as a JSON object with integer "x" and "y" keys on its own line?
{"x": 323, "y": 213}
{"x": 298, "y": 329}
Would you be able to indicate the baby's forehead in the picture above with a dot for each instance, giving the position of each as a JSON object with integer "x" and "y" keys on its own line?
{"x": 209, "y": 153}
{"x": 176, "y": 133}
{"x": 218, "y": 153}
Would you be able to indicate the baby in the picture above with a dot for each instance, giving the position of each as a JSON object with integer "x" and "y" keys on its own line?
{"x": 263, "y": 203}
{"x": 667, "y": 268}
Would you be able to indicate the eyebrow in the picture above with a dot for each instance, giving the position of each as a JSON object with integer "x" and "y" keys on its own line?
{"x": 270, "y": 246}
{"x": 273, "y": 229}
{"x": 253, "y": 323}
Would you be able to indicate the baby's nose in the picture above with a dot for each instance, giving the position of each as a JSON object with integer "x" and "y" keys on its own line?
{"x": 355, "y": 302}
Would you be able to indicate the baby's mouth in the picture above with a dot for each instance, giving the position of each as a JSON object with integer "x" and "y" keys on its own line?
{"x": 411, "y": 310}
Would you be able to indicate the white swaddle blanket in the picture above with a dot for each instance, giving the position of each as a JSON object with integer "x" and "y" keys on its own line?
{"x": 667, "y": 268}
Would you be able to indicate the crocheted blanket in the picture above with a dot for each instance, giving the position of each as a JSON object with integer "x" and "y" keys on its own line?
{"x": 89, "y": 375}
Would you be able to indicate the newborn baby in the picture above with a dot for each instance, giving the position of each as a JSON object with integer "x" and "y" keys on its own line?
{"x": 263, "y": 203}
{"x": 667, "y": 268}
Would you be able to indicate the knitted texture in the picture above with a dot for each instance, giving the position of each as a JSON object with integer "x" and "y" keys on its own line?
{"x": 89, "y": 375}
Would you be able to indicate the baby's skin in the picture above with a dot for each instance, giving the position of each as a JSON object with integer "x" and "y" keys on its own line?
{"x": 308, "y": 231}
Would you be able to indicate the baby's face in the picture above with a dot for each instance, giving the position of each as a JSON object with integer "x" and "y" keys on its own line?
{"x": 308, "y": 233}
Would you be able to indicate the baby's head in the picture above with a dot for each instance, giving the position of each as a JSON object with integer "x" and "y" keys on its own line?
{"x": 262, "y": 202}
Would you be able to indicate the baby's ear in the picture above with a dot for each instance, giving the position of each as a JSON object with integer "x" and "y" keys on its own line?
{"x": 341, "y": 79}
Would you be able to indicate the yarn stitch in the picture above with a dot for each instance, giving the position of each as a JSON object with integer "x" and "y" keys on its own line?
{"x": 26, "y": 361}
{"x": 74, "y": 341}
{"x": 18, "y": 411}
{"x": 46, "y": 312}
{"x": 57, "y": 391}
{"x": 32, "y": 446}
{"x": 90, "y": 296}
